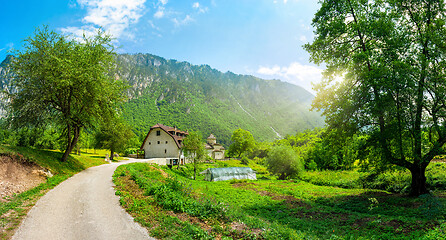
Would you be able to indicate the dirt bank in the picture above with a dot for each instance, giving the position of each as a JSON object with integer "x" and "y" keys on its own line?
{"x": 17, "y": 175}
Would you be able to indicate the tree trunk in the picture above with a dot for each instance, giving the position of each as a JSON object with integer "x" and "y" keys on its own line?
{"x": 418, "y": 181}
{"x": 195, "y": 169}
{"x": 112, "y": 152}
{"x": 71, "y": 142}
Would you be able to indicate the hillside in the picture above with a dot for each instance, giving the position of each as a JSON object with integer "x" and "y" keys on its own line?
{"x": 201, "y": 98}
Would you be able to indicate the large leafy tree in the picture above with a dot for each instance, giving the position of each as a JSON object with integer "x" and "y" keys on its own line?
{"x": 114, "y": 135}
{"x": 392, "y": 55}
{"x": 242, "y": 141}
{"x": 62, "y": 81}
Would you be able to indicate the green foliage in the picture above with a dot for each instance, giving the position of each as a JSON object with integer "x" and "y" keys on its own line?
{"x": 342, "y": 179}
{"x": 194, "y": 148}
{"x": 129, "y": 151}
{"x": 384, "y": 93}
{"x": 113, "y": 134}
{"x": 244, "y": 160}
{"x": 312, "y": 165}
{"x": 392, "y": 181}
{"x": 242, "y": 141}
{"x": 174, "y": 195}
{"x": 431, "y": 206}
{"x": 70, "y": 87}
{"x": 284, "y": 162}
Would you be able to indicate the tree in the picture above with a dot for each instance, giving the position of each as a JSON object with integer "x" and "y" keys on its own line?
{"x": 242, "y": 141}
{"x": 392, "y": 54}
{"x": 194, "y": 147}
{"x": 64, "y": 82}
{"x": 284, "y": 162}
{"x": 113, "y": 135}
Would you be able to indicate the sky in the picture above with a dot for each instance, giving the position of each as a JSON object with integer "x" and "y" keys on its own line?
{"x": 263, "y": 38}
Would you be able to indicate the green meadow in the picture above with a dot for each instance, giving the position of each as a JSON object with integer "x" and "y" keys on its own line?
{"x": 173, "y": 206}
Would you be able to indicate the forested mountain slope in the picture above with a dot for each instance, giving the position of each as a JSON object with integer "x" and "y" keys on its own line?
{"x": 201, "y": 98}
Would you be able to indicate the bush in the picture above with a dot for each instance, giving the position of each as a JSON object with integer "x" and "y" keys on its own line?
{"x": 244, "y": 160}
{"x": 129, "y": 151}
{"x": 392, "y": 181}
{"x": 284, "y": 162}
{"x": 312, "y": 165}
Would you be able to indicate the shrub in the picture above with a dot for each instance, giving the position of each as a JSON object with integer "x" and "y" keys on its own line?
{"x": 130, "y": 151}
{"x": 284, "y": 162}
{"x": 244, "y": 160}
{"x": 392, "y": 181}
{"x": 312, "y": 165}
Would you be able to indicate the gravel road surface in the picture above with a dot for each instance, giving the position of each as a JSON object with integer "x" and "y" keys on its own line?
{"x": 83, "y": 207}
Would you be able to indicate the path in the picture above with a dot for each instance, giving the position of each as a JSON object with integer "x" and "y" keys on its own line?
{"x": 83, "y": 207}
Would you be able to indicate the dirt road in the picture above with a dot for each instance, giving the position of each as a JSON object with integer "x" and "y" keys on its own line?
{"x": 83, "y": 207}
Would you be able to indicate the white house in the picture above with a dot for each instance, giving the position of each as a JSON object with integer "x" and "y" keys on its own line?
{"x": 164, "y": 142}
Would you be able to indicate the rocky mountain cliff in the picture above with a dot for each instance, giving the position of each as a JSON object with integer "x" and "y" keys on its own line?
{"x": 4, "y": 82}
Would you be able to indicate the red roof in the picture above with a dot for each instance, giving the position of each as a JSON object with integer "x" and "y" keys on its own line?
{"x": 168, "y": 130}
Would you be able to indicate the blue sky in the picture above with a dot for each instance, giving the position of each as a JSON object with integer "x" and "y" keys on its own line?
{"x": 257, "y": 37}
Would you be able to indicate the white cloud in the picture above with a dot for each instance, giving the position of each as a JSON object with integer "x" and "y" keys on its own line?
{"x": 182, "y": 22}
{"x": 303, "y": 38}
{"x": 296, "y": 73}
{"x": 276, "y": 70}
{"x": 78, "y": 32}
{"x": 200, "y": 8}
{"x": 114, "y": 16}
{"x": 7, "y": 47}
{"x": 159, "y": 13}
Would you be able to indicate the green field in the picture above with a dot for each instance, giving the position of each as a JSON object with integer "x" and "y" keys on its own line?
{"x": 176, "y": 207}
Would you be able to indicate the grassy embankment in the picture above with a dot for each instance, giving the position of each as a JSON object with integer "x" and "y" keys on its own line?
{"x": 176, "y": 207}
{"x": 13, "y": 209}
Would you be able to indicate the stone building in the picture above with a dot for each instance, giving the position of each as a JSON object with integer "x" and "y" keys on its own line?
{"x": 214, "y": 150}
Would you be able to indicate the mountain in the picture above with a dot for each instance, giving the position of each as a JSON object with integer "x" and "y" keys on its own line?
{"x": 4, "y": 82}
{"x": 193, "y": 97}
{"x": 201, "y": 98}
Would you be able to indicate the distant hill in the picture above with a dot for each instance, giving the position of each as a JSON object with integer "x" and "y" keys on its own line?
{"x": 201, "y": 98}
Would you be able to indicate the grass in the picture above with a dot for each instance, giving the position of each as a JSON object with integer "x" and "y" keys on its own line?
{"x": 269, "y": 208}
{"x": 343, "y": 179}
{"x": 395, "y": 181}
{"x": 13, "y": 209}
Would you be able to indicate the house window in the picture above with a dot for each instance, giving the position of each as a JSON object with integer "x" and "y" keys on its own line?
{"x": 166, "y": 142}
{"x": 158, "y": 133}
{"x": 165, "y": 150}
{"x": 158, "y": 142}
